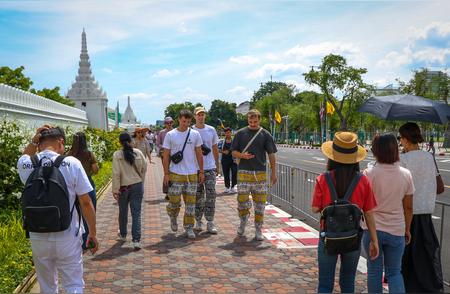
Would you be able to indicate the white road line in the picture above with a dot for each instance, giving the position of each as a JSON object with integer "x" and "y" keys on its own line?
{"x": 318, "y": 158}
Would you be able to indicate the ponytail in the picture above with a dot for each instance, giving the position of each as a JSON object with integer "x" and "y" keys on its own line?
{"x": 128, "y": 153}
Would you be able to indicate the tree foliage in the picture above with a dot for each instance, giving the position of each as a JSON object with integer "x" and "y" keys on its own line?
{"x": 174, "y": 109}
{"x": 222, "y": 111}
{"x": 267, "y": 89}
{"x": 15, "y": 78}
{"x": 54, "y": 95}
{"x": 335, "y": 77}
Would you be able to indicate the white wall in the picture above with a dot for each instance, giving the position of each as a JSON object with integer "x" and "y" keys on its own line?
{"x": 35, "y": 110}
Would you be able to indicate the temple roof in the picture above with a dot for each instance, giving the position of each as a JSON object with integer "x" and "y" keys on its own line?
{"x": 129, "y": 117}
{"x": 85, "y": 86}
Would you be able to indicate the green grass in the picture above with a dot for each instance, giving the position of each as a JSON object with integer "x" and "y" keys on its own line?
{"x": 15, "y": 251}
{"x": 104, "y": 175}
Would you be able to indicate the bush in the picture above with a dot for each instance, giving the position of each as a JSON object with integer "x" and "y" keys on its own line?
{"x": 15, "y": 253}
{"x": 103, "y": 176}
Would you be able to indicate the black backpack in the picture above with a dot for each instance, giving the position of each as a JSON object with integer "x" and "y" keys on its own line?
{"x": 45, "y": 198}
{"x": 340, "y": 221}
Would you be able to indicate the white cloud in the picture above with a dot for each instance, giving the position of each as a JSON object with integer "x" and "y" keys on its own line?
{"x": 107, "y": 70}
{"x": 277, "y": 69}
{"x": 244, "y": 59}
{"x": 322, "y": 49}
{"x": 239, "y": 92}
{"x": 441, "y": 29}
{"x": 433, "y": 55}
{"x": 165, "y": 73}
{"x": 395, "y": 59}
{"x": 139, "y": 96}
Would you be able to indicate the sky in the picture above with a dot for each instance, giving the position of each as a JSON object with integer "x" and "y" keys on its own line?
{"x": 163, "y": 52}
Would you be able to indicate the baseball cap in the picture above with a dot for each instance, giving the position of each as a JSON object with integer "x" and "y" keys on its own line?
{"x": 168, "y": 119}
{"x": 199, "y": 109}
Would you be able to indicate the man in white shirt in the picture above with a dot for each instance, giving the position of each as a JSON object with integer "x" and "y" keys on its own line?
{"x": 60, "y": 252}
{"x": 181, "y": 176}
{"x": 211, "y": 165}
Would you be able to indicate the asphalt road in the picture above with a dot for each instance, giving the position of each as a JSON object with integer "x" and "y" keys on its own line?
{"x": 313, "y": 160}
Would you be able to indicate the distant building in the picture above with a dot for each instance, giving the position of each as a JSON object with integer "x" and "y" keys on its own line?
{"x": 160, "y": 123}
{"x": 87, "y": 94}
{"x": 243, "y": 108}
{"x": 129, "y": 118}
{"x": 433, "y": 76}
{"x": 388, "y": 90}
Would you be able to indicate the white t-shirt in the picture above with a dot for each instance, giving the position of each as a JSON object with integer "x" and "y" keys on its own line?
{"x": 77, "y": 184}
{"x": 209, "y": 138}
{"x": 421, "y": 165}
{"x": 174, "y": 140}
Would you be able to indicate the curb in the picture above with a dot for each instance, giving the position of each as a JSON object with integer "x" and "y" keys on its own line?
{"x": 30, "y": 280}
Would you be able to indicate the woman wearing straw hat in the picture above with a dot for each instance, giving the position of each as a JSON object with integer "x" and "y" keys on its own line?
{"x": 344, "y": 156}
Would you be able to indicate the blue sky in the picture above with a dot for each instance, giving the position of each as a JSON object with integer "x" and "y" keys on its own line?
{"x": 173, "y": 51}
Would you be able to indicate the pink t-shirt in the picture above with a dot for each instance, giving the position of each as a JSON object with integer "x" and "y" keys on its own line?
{"x": 390, "y": 184}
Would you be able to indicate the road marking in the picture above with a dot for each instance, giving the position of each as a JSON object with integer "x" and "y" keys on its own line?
{"x": 445, "y": 160}
{"x": 319, "y": 158}
{"x": 313, "y": 162}
{"x": 435, "y": 217}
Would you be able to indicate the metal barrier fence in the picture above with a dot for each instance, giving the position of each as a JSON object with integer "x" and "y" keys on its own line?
{"x": 293, "y": 193}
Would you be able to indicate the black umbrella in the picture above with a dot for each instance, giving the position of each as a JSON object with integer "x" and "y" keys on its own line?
{"x": 407, "y": 107}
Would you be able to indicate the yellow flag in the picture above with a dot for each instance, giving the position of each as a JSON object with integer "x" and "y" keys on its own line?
{"x": 221, "y": 125}
{"x": 277, "y": 117}
{"x": 330, "y": 108}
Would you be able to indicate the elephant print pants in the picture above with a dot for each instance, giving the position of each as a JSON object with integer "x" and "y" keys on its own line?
{"x": 185, "y": 185}
{"x": 206, "y": 206}
{"x": 254, "y": 183}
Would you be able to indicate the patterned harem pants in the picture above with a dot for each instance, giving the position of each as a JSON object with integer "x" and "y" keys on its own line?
{"x": 206, "y": 206}
{"x": 185, "y": 185}
{"x": 255, "y": 183}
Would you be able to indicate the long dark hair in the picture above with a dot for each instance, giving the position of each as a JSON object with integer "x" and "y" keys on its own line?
{"x": 128, "y": 153}
{"x": 79, "y": 148}
{"x": 343, "y": 174}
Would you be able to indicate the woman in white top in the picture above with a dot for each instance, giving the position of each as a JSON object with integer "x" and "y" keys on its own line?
{"x": 421, "y": 266}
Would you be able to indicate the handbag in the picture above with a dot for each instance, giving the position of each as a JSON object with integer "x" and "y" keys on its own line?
{"x": 440, "y": 188}
{"x": 248, "y": 144}
{"x": 177, "y": 157}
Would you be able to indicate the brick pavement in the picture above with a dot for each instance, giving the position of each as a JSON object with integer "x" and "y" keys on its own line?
{"x": 211, "y": 263}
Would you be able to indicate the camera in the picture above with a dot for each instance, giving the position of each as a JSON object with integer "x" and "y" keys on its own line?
{"x": 205, "y": 149}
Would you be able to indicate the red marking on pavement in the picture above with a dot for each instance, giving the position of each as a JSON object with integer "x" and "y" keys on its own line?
{"x": 285, "y": 219}
{"x": 296, "y": 230}
{"x": 271, "y": 211}
{"x": 309, "y": 241}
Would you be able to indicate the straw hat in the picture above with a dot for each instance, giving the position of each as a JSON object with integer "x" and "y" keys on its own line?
{"x": 344, "y": 148}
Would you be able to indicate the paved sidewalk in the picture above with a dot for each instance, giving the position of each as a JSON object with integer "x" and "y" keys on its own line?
{"x": 211, "y": 263}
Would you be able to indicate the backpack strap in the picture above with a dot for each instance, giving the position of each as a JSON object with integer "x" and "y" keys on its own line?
{"x": 352, "y": 186}
{"x": 35, "y": 161}
{"x": 331, "y": 187}
{"x": 76, "y": 205}
{"x": 350, "y": 189}
{"x": 59, "y": 160}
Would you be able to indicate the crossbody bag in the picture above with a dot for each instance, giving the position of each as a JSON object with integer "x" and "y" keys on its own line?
{"x": 248, "y": 144}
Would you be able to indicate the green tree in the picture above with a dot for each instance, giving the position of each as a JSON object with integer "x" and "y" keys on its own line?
{"x": 15, "y": 78}
{"x": 335, "y": 77}
{"x": 304, "y": 115}
{"x": 267, "y": 89}
{"x": 222, "y": 111}
{"x": 435, "y": 87}
{"x": 54, "y": 95}
{"x": 174, "y": 109}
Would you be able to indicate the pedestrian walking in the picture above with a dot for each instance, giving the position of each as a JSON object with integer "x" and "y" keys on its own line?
{"x": 56, "y": 252}
{"x": 229, "y": 166}
{"x": 343, "y": 184}
{"x": 393, "y": 188}
{"x": 129, "y": 169}
{"x": 206, "y": 192}
{"x": 140, "y": 142}
{"x": 421, "y": 266}
{"x": 250, "y": 146}
{"x": 81, "y": 152}
{"x": 183, "y": 171}
{"x": 150, "y": 137}
{"x": 431, "y": 145}
{"x": 168, "y": 123}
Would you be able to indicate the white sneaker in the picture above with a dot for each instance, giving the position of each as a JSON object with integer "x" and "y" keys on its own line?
{"x": 211, "y": 228}
{"x": 120, "y": 238}
{"x": 258, "y": 234}
{"x": 241, "y": 229}
{"x": 198, "y": 226}
{"x": 136, "y": 245}
{"x": 227, "y": 191}
{"x": 190, "y": 233}
{"x": 173, "y": 224}
{"x": 233, "y": 190}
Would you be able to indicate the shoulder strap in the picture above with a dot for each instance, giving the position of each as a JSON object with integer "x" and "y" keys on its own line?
{"x": 435, "y": 164}
{"x": 352, "y": 186}
{"x": 331, "y": 187}
{"x": 185, "y": 141}
{"x": 35, "y": 161}
{"x": 251, "y": 141}
{"x": 59, "y": 160}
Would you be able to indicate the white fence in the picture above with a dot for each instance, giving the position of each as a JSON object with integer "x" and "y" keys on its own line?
{"x": 35, "y": 110}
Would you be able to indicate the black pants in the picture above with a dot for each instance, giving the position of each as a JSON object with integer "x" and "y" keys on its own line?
{"x": 226, "y": 167}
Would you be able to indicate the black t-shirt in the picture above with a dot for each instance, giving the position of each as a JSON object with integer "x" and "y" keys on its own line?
{"x": 263, "y": 143}
{"x": 227, "y": 146}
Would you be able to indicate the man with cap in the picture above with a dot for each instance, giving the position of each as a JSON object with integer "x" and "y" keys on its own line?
{"x": 250, "y": 146}
{"x": 168, "y": 122}
{"x": 207, "y": 206}
{"x": 60, "y": 251}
